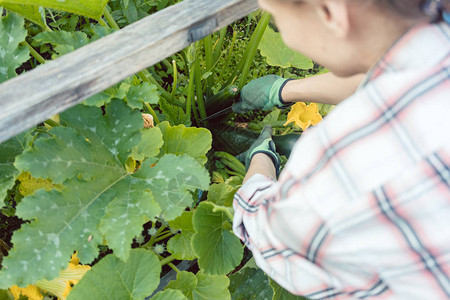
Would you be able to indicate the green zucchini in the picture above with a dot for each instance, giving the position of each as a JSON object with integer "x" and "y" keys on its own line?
{"x": 223, "y": 99}
{"x": 235, "y": 140}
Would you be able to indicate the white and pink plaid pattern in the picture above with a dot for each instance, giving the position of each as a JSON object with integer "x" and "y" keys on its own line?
{"x": 362, "y": 209}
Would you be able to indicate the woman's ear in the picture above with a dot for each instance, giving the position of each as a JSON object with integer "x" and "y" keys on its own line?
{"x": 335, "y": 16}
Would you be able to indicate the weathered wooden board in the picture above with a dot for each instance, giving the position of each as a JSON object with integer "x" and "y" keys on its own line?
{"x": 60, "y": 84}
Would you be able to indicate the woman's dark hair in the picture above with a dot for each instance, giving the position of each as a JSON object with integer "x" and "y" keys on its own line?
{"x": 419, "y": 8}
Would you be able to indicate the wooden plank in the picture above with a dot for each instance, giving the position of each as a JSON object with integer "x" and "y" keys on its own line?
{"x": 60, "y": 84}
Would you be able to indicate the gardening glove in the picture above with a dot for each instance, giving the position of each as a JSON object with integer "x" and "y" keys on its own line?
{"x": 263, "y": 93}
{"x": 263, "y": 144}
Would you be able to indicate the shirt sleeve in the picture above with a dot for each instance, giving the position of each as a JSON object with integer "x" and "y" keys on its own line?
{"x": 262, "y": 222}
{"x": 391, "y": 243}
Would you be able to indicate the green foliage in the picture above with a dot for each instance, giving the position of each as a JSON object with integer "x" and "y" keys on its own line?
{"x": 180, "y": 139}
{"x": 180, "y": 245}
{"x": 111, "y": 278}
{"x": 174, "y": 114}
{"x": 110, "y": 176}
{"x": 132, "y": 91}
{"x": 12, "y": 33}
{"x": 98, "y": 100}
{"x": 170, "y": 294}
{"x": 88, "y": 8}
{"x": 278, "y": 54}
{"x": 63, "y": 41}
{"x": 29, "y": 12}
{"x": 279, "y": 293}
{"x": 144, "y": 92}
{"x": 172, "y": 180}
{"x": 149, "y": 145}
{"x": 218, "y": 249}
{"x": 222, "y": 194}
{"x": 201, "y": 286}
{"x": 250, "y": 283}
{"x": 9, "y": 150}
{"x": 100, "y": 200}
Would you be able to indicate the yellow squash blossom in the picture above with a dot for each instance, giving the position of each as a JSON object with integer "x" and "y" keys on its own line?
{"x": 60, "y": 286}
{"x": 304, "y": 115}
{"x": 31, "y": 291}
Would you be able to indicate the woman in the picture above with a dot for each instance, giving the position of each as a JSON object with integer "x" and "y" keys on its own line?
{"x": 361, "y": 209}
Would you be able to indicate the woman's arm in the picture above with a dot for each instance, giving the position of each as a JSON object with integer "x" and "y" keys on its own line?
{"x": 325, "y": 88}
{"x": 261, "y": 164}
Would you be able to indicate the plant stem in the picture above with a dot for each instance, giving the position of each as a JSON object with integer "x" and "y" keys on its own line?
{"x": 153, "y": 238}
{"x": 185, "y": 60}
{"x": 190, "y": 93}
{"x": 230, "y": 216}
{"x": 175, "y": 77}
{"x": 250, "y": 51}
{"x": 110, "y": 19}
{"x": 34, "y": 53}
{"x": 288, "y": 130}
{"x": 173, "y": 267}
{"x": 253, "y": 46}
{"x": 52, "y": 123}
{"x": 228, "y": 58}
{"x": 219, "y": 44}
{"x": 199, "y": 90}
{"x": 209, "y": 64}
{"x": 164, "y": 94}
{"x": 103, "y": 23}
{"x": 162, "y": 237}
{"x": 152, "y": 112}
{"x": 53, "y": 18}
{"x": 167, "y": 260}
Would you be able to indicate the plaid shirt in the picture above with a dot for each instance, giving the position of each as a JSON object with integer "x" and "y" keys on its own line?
{"x": 362, "y": 208}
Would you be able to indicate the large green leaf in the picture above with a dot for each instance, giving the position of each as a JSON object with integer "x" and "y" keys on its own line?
{"x": 144, "y": 92}
{"x": 30, "y": 13}
{"x": 100, "y": 199}
{"x": 111, "y": 278}
{"x": 88, "y": 8}
{"x": 180, "y": 245}
{"x": 250, "y": 283}
{"x": 171, "y": 180}
{"x": 180, "y": 139}
{"x": 98, "y": 100}
{"x": 222, "y": 194}
{"x": 9, "y": 150}
{"x": 12, "y": 33}
{"x": 201, "y": 286}
{"x": 218, "y": 249}
{"x": 149, "y": 145}
{"x": 134, "y": 95}
{"x": 63, "y": 41}
{"x": 278, "y": 54}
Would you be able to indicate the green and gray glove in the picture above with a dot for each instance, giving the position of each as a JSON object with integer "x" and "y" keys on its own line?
{"x": 263, "y": 144}
{"x": 262, "y": 94}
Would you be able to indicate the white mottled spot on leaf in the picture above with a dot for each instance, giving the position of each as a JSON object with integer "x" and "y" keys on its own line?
{"x": 24, "y": 264}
